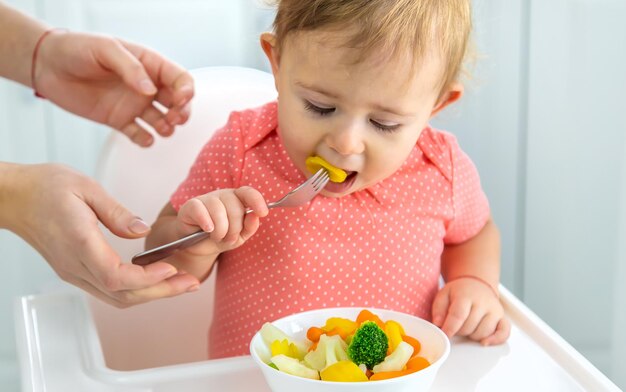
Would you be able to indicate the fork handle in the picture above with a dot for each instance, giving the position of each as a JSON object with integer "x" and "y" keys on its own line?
{"x": 160, "y": 252}
{"x": 165, "y": 250}
{"x": 270, "y": 205}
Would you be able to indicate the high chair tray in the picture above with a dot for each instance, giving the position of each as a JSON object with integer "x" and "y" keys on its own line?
{"x": 59, "y": 350}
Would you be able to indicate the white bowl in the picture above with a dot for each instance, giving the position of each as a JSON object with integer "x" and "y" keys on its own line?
{"x": 435, "y": 348}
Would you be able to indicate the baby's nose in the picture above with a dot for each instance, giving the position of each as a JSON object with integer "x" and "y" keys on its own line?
{"x": 346, "y": 141}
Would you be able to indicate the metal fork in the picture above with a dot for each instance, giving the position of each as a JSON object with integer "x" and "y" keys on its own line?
{"x": 298, "y": 196}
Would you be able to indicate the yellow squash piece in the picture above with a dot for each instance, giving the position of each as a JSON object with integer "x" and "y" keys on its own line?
{"x": 394, "y": 332}
{"x": 284, "y": 347}
{"x": 313, "y": 164}
{"x": 343, "y": 371}
{"x": 347, "y": 326}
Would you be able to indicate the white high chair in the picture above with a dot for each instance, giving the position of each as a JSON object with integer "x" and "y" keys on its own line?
{"x": 67, "y": 342}
{"x": 142, "y": 180}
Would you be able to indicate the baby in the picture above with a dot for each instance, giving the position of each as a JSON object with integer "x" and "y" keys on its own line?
{"x": 357, "y": 83}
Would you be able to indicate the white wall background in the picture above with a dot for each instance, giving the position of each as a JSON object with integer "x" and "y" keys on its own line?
{"x": 544, "y": 119}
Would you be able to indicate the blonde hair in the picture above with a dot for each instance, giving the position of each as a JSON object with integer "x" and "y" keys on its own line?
{"x": 393, "y": 27}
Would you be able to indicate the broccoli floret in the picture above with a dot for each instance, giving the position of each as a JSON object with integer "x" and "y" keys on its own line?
{"x": 369, "y": 345}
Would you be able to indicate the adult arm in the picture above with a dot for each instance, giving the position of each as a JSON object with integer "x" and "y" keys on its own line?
{"x": 101, "y": 78}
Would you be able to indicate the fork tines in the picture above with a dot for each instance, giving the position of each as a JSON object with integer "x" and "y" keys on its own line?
{"x": 320, "y": 179}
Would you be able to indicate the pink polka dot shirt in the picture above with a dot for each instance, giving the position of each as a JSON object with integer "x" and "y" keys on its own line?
{"x": 378, "y": 247}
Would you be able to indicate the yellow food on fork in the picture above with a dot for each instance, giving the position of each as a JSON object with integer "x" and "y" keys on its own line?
{"x": 314, "y": 163}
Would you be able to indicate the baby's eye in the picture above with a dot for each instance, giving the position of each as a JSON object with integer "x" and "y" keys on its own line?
{"x": 385, "y": 127}
{"x": 316, "y": 109}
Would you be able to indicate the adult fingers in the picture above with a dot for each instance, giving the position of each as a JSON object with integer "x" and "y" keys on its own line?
{"x": 156, "y": 119}
{"x": 176, "y": 285}
{"x": 113, "y": 215}
{"x": 178, "y": 115}
{"x": 106, "y": 271}
{"x": 93, "y": 265}
{"x": 94, "y": 291}
{"x": 175, "y": 114}
{"x": 501, "y": 334}
{"x": 137, "y": 134}
{"x": 165, "y": 73}
{"x": 457, "y": 314}
{"x": 113, "y": 55}
{"x": 99, "y": 258}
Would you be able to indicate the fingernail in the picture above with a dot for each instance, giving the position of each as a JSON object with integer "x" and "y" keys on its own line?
{"x": 166, "y": 129}
{"x": 138, "y": 226}
{"x": 146, "y": 141}
{"x": 168, "y": 272}
{"x": 184, "y": 90}
{"x": 193, "y": 288}
{"x": 147, "y": 87}
{"x": 176, "y": 120}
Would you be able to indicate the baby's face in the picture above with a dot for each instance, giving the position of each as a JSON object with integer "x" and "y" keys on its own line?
{"x": 364, "y": 118}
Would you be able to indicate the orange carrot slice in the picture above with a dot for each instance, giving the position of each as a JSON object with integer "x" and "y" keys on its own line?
{"x": 394, "y": 374}
{"x": 417, "y": 346}
{"x": 366, "y": 315}
{"x": 314, "y": 333}
{"x": 417, "y": 363}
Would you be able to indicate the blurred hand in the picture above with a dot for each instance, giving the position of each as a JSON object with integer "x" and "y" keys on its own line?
{"x": 112, "y": 82}
{"x": 467, "y": 307}
{"x": 57, "y": 210}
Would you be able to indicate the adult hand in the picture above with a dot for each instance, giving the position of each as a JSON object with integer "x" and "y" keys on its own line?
{"x": 113, "y": 82}
{"x": 57, "y": 211}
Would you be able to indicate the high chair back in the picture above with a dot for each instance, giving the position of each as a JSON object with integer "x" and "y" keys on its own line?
{"x": 173, "y": 330}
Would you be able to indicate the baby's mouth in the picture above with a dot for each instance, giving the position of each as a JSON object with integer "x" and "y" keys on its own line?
{"x": 342, "y": 187}
{"x": 340, "y": 180}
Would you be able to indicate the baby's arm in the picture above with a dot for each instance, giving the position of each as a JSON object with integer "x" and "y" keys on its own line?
{"x": 222, "y": 213}
{"x": 468, "y": 305}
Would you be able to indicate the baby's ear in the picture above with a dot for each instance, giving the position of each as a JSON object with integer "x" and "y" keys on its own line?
{"x": 452, "y": 94}
{"x": 268, "y": 44}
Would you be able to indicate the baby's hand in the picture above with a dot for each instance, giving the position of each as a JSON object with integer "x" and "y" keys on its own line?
{"x": 468, "y": 307}
{"x": 223, "y": 214}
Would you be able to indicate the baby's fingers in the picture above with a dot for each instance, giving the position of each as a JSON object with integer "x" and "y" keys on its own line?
{"x": 486, "y": 327}
{"x": 474, "y": 319}
{"x": 251, "y": 198}
{"x": 501, "y": 334}
{"x": 440, "y": 306}
{"x": 235, "y": 211}
{"x": 195, "y": 213}
{"x": 458, "y": 312}
{"x": 250, "y": 226}
{"x": 219, "y": 215}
